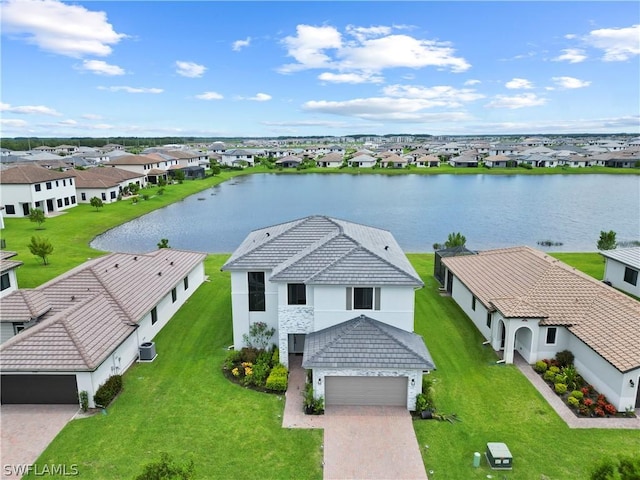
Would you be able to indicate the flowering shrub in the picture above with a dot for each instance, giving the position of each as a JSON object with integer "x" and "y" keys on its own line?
{"x": 250, "y": 367}
{"x": 610, "y": 409}
{"x": 599, "y": 412}
{"x": 587, "y": 402}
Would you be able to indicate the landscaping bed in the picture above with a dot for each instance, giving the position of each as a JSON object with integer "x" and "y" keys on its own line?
{"x": 581, "y": 398}
{"x": 258, "y": 369}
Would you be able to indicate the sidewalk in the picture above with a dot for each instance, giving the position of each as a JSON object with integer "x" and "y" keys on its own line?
{"x": 293, "y": 416}
{"x": 563, "y": 411}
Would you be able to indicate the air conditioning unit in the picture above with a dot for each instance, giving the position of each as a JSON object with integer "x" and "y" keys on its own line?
{"x": 147, "y": 351}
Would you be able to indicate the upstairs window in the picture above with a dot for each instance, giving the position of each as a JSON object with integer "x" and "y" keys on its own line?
{"x": 473, "y": 304}
{"x": 5, "y": 282}
{"x": 38, "y": 187}
{"x": 631, "y": 276}
{"x": 256, "y": 291}
{"x": 154, "y": 315}
{"x": 186, "y": 283}
{"x": 297, "y": 294}
{"x": 363, "y": 298}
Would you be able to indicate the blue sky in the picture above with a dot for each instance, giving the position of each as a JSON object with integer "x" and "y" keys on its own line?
{"x": 263, "y": 69}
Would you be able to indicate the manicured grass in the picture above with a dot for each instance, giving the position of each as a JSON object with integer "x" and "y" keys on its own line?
{"x": 496, "y": 403}
{"x": 182, "y": 404}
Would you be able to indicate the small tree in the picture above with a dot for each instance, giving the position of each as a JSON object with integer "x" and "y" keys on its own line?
{"x": 455, "y": 240}
{"x": 259, "y": 335}
{"x": 215, "y": 169}
{"x": 37, "y": 216}
{"x": 607, "y": 240}
{"x": 96, "y": 203}
{"x": 134, "y": 188}
{"x": 163, "y": 243}
{"x": 179, "y": 176}
{"x": 40, "y": 247}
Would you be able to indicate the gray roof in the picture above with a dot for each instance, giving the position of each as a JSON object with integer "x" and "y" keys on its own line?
{"x": 324, "y": 250}
{"x": 627, "y": 256}
{"x": 5, "y": 263}
{"x": 363, "y": 342}
{"x": 87, "y": 312}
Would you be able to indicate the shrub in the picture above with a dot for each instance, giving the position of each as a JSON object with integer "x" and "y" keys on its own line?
{"x": 577, "y": 394}
{"x": 559, "y": 378}
{"x": 421, "y": 403}
{"x": 275, "y": 357}
{"x": 610, "y": 409}
{"x": 277, "y": 379}
{"x": 622, "y": 468}
{"x": 573, "y": 402}
{"x": 560, "y": 388}
{"x": 584, "y": 410}
{"x": 564, "y": 358}
{"x": 259, "y": 335}
{"x": 233, "y": 357}
{"x": 166, "y": 468}
{"x": 549, "y": 375}
{"x": 145, "y": 196}
{"x": 260, "y": 373}
{"x": 587, "y": 402}
{"x": 599, "y": 412}
{"x": 108, "y": 390}
{"x": 554, "y": 369}
{"x": 249, "y": 355}
{"x": 84, "y": 400}
{"x": 541, "y": 366}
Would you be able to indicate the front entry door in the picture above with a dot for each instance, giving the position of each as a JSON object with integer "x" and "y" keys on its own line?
{"x": 49, "y": 205}
{"x": 296, "y": 342}
{"x": 25, "y": 209}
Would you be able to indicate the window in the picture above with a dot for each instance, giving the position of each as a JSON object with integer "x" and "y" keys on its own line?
{"x": 488, "y": 320}
{"x": 17, "y": 328}
{"x": 59, "y": 202}
{"x": 113, "y": 195}
{"x": 71, "y": 181}
{"x": 104, "y": 196}
{"x": 11, "y": 210}
{"x": 297, "y": 293}
{"x": 64, "y": 183}
{"x": 256, "y": 292}
{"x": 4, "y": 281}
{"x": 551, "y": 335}
{"x": 57, "y": 183}
{"x": 48, "y": 185}
{"x": 154, "y": 315}
{"x": 631, "y": 276}
{"x": 73, "y": 199}
{"x": 83, "y": 196}
{"x": 66, "y": 200}
{"x": 174, "y": 295}
{"x": 473, "y": 304}
{"x": 37, "y": 187}
{"x": 186, "y": 283}
{"x": 363, "y": 298}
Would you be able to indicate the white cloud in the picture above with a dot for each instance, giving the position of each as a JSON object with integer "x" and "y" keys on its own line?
{"x": 516, "y": 101}
{"x": 519, "y": 84}
{"x": 210, "y": 96}
{"x": 13, "y": 123}
{"x": 372, "y": 50}
{"x": 571, "y": 55}
{"x": 472, "y": 82}
{"x": 65, "y": 29}
{"x": 91, "y": 116}
{"x": 190, "y": 69}
{"x": 132, "y": 89}
{"x": 100, "y": 67}
{"x": 619, "y": 44}
{"x": 69, "y": 123}
{"x": 441, "y": 95}
{"x": 354, "y": 78}
{"x": 307, "y": 123}
{"x": 240, "y": 44}
{"x": 260, "y": 97}
{"x": 570, "y": 82}
{"x": 29, "y": 110}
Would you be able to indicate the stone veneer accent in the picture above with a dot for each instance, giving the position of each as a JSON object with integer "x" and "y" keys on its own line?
{"x": 413, "y": 390}
{"x": 292, "y": 319}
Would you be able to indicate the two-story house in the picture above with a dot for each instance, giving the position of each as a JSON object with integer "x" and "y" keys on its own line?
{"x": 342, "y": 295}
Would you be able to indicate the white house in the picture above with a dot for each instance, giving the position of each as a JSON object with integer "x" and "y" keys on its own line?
{"x": 321, "y": 282}
{"x": 237, "y": 158}
{"x": 621, "y": 269}
{"x": 523, "y": 300}
{"x": 363, "y": 160}
{"x": 331, "y": 160}
{"x": 104, "y": 183}
{"x": 75, "y": 331}
{"x": 153, "y": 166}
{"x": 25, "y": 187}
{"x": 8, "y": 278}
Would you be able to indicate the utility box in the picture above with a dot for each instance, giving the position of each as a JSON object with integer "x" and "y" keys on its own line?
{"x": 499, "y": 456}
{"x": 147, "y": 351}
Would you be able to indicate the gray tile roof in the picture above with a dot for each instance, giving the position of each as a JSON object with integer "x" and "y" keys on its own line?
{"x": 363, "y": 342}
{"x": 627, "y": 256}
{"x": 524, "y": 282}
{"x": 323, "y": 250}
{"x": 88, "y": 311}
{"x": 5, "y": 262}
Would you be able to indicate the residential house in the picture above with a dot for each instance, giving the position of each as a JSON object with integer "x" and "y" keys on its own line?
{"x": 393, "y": 161}
{"x": 504, "y": 149}
{"x": 289, "y": 161}
{"x": 104, "y": 183}
{"x": 8, "y": 278}
{"x": 153, "y": 166}
{"x": 528, "y": 303}
{"x": 499, "y": 161}
{"x": 75, "y": 331}
{"x": 238, "y": 158}
{"x": 362, "y": 160}
{"x": 331, "y": 160}
{"x": 621, "y": 267}
{"x": 466, "y": 160}
{"x": 428, "y": 161}
{"x": 342, "y": 295}
{"x": 25, "y": 187}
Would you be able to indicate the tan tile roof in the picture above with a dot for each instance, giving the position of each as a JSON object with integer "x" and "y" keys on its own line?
{"x": 91, "y": 309}
{"x": 101, "y": 177}
{"x": 5, "y": 263}
{"x": 28, "y": 174}
{"x": 524, "y": 282}
{"x": 23, "y": 305}
{"x": 132, "y": 160}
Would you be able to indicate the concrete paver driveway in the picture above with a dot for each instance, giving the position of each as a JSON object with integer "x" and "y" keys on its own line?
{"x": 28, "y": 429}
{"x": 371, "y": 443}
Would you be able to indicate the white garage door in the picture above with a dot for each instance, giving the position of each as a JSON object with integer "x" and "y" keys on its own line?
{"x": 387, "y": 391}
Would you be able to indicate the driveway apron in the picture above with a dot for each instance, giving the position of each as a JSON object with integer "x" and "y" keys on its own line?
{"x": 370, "y": 443}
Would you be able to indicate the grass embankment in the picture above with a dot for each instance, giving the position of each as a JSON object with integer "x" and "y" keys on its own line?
{"x": 496, "y": 402}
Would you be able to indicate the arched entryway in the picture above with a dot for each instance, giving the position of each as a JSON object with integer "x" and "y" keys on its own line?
{"x": 524, "y": 343}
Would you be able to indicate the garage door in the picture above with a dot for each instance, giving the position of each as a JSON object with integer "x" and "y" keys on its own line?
{"x": 39, "y": 389}
{"x": 388, "y": 391}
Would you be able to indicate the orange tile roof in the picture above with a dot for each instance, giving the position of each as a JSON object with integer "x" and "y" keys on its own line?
{"x": 522, "y": 282}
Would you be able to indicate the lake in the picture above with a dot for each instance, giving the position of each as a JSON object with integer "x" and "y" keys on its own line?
{"x": 491, "y": 211}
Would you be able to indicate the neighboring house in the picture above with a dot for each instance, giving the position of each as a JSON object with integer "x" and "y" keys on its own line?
{"x": 466, "y": 160}
{"x": 621, "y": 267}
{"x": 75, "y": 331}
{"x": 237, "y": 158}
{"x": 289, "y": 161}
{"x": 523, "y": 300}
{"x": 428, "y": 161}
{"x": 8, "y": 279}
{"x": 25, "y": 187}
{"x": 153, "y": 166}
{"x": 331, "y": 160}
{"x": 393, "y": 161}
{"x": 104, "y": 183}
{"x": 332, "y": 290}
{"x": 499, "y": 161}
{"x": 365, "y": 161}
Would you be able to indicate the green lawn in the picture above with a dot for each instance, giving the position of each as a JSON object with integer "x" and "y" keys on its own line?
{"x": 496, "y": 403}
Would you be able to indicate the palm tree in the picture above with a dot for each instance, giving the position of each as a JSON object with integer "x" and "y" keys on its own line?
{"x": 455, "y": 239}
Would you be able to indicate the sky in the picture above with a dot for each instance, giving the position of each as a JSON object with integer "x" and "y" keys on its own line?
{"x": 268, "y": 69}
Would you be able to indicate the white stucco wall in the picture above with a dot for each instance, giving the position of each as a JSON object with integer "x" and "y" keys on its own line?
{"x": 6, "y": 331}
{"x": 16, "y": 195}
{"x": 614, "y": 273}
{"x": 97, "y": 192}
{"x": 13, "y": 283}
{"x": 412, "y": 390}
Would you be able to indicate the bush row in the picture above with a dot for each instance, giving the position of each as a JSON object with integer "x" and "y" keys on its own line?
{"x": 108, "y": 391}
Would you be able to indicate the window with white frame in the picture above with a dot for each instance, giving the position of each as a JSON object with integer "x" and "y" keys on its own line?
{"x": 631, "y": 276}
{"x": 363, "y": 298}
